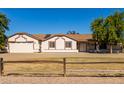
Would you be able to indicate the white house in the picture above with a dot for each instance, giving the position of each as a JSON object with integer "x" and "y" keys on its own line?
{"x": 27, "y": 43}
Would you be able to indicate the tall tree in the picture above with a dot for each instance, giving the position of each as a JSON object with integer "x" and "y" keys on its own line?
{"x": 4, "y": 22}
{"x": 114, "y": 27}
{"x": 111, "y": 36}
{"x": 118, "y": 18}
{"x": 98, "y": 30}
{"x": 109, "y": 30}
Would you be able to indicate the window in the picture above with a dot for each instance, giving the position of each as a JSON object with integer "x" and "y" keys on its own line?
{"x": 68, "y": 44}
{"x": 51, "y": 44}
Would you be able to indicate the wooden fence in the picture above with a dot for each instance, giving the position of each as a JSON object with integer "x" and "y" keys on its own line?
{"x": 32, "y": 62}
{"x": 1, "y": 66}
{"x": 64, "y": 63}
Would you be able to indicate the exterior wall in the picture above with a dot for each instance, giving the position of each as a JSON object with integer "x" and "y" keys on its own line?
{"x": 21, "y": 47}
{"x": 24, "y": 43}
{"x": 16, "y": 41}
{"x": 86, "y": 46}
{"x": 59, "y": 45}
{"x": 82, "y": 47}
{"x": 91, "y": 46}
{"x": 115, "y": 48}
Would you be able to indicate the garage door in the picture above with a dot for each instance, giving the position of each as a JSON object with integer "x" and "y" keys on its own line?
{"x": 21, "y": 47}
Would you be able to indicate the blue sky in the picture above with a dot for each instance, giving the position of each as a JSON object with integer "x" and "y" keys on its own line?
{"x": 49, "y": 21}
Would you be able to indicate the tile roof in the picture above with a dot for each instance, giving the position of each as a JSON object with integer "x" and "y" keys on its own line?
{"x": 80, "y": 37}
{"x": 39, "y": 36}
{"x": 77, "y": 37}
{"x": 42, "y": 37}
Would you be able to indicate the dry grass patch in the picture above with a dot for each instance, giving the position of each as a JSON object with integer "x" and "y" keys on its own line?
{"x": 98, "y": 66}
{"x": 43, "y": 68}
{"x": 86, "y": 69}
{"x": 94, "y": 59}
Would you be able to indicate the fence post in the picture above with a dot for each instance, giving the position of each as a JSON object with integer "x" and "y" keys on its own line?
{"x": 1, "y": 66}
{"x": 64, "y": 67}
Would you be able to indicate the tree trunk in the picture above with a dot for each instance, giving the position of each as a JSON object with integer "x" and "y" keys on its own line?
{"x": 111, "y": 48}
{"x": 97, "y": 48}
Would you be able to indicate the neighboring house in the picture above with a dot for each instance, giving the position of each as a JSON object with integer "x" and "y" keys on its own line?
{"x": 27, "y": 43}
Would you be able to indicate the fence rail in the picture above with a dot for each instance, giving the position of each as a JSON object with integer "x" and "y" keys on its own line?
{"x": 64, "y": 63}
{"x": 107, "y": 62}
{"x": 33, "y": 61}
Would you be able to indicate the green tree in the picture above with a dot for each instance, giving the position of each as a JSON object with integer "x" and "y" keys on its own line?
{"x": 109, "y": 30}
{"x": 72, "y": 32}
{"x": 98, "y": 30}
{"x": 111, "y": 36}
{"x": 118, "y": 18}
{"x": 4, "y": 22}
{"x": 114, "y": 27}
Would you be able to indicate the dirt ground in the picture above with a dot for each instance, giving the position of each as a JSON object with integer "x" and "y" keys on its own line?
{"x": 27, "y": 56}
{"x": 61, "y": 80}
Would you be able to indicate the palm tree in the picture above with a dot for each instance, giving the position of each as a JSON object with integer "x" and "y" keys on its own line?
{"x": 4, "y": 22}
{"x": 98, "y": 30}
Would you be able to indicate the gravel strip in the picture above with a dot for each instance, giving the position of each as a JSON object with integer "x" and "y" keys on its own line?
{"x": 61, "y": 80}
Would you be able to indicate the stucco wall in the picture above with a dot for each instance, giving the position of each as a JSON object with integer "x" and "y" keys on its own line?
{"x": 30, "y": 47}
{"x": 59, "y": 45}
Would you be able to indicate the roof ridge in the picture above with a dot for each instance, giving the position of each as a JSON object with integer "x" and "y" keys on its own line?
{"x": 60, "y": 34}
{"x": 77, "y": 37}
